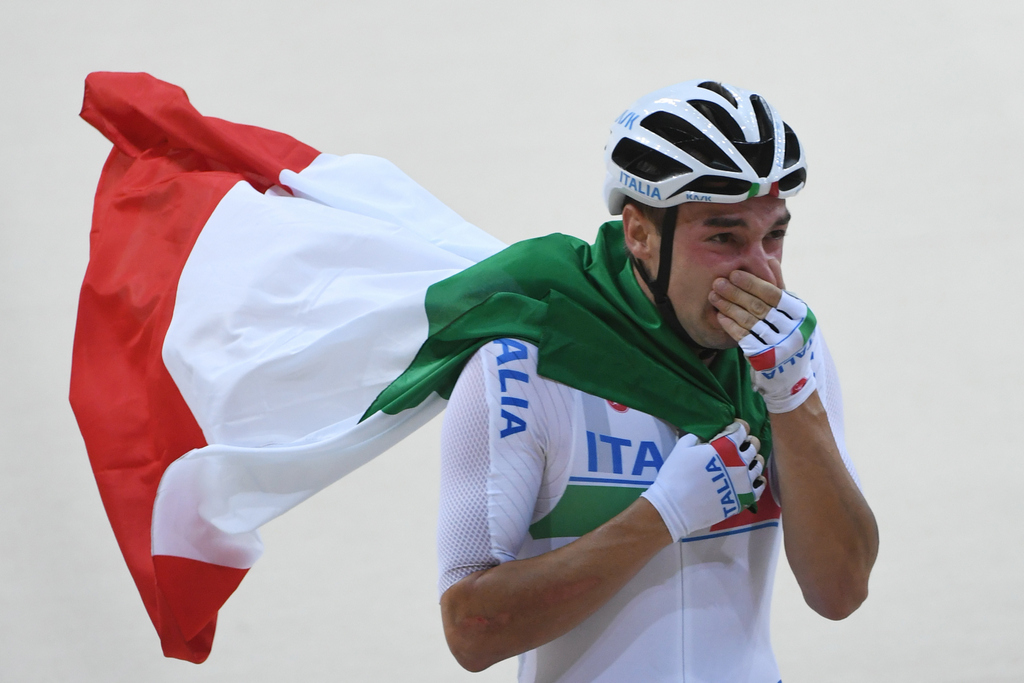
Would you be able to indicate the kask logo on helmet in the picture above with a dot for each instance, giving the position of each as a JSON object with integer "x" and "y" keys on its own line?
{"x": 627, "y": 119}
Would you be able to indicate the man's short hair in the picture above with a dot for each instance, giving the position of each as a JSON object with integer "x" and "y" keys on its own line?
{"x": 654, "y": 215}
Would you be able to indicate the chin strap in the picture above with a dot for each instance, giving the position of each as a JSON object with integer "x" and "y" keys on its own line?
{"x": 659, "y": 286}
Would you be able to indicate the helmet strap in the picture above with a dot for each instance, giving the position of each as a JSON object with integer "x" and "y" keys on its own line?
{"x": 659, "y": 286}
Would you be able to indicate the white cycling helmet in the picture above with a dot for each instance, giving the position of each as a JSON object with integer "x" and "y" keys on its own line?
{"x": 701, "y": 141}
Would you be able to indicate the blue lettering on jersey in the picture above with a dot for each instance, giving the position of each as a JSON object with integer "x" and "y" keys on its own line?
{"x": 616, "y": 443}
{"x": 647, "y": 455}
{"x": 591, "y": 451}
{"x": 511, "y": 350}
{"x": 513, "y": 424}
{"x": 504, "y": 375}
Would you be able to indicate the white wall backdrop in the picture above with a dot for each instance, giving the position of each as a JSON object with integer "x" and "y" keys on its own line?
{"x": 907, "y": 242}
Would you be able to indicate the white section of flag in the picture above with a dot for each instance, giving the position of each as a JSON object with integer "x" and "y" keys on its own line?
{"x": 292, "y": 314}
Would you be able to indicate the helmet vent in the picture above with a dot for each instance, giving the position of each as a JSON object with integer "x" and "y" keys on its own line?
{"x": 712, "y": 184}
{"x": 793, "y": 180}
{"x": 760, "y": 156}
{"x": 720, "y": 119}
{"x": 792, "y": 147}
{"x": 719, "y": 89}
{"x": 689, "y": 139}
{"x": 646, "y": 163}
{"x": 765, "y": 125}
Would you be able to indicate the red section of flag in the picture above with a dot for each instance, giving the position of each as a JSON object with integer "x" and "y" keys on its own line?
{"x": 763, "y": 361}
{"x": 195, "y": 590}
{"x": 168, "y": 171}
{"x": 142, "y": 116}
{"x": 767, "y": 509}
{"x": 727, "y": 450}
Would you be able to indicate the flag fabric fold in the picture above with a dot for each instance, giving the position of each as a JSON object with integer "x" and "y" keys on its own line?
{"x": 258, "y": 319}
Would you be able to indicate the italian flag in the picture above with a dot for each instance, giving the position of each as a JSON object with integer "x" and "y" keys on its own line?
{"x": 258, "y": 319}
{"x": 236, "y": 320}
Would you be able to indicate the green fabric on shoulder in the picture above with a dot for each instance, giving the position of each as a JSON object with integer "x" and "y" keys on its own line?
{"x": 595, "y": 330}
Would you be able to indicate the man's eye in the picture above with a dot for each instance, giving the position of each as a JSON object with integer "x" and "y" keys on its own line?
{"x": 722, "y": 238}
{"x": 776, "y": 234}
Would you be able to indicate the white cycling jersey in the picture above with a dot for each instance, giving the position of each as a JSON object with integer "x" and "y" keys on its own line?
{"x": 529, "y": 464}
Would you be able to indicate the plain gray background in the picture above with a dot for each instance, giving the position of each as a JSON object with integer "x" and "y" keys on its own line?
{"x": 906, "y": 242}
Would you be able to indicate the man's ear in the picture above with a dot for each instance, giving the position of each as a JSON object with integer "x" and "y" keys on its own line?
{"x": 642, "y": 238}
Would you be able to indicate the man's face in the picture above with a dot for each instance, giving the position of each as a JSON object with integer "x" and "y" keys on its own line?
{"x": 711, "y": 241}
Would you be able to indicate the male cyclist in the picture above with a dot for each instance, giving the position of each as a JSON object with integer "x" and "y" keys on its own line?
{"x": 607, "y": 541}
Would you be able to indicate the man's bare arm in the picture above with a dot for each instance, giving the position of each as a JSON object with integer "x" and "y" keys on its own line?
{"x": 506, "y": 610}
{"x": 830, "y": 533}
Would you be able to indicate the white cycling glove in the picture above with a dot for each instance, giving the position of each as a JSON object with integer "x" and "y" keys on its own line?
{"x": 779, "y": 349}
{"x": 702, "y": 484}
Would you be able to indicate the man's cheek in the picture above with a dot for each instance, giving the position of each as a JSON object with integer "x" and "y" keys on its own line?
{"x": 711, "y": 316}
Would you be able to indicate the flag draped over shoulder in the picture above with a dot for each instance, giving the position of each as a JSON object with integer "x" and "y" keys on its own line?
{"x": 258, "y": 319}
{"x": 595, "y": 329}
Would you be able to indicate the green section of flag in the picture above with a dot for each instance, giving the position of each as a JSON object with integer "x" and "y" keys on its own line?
{"x": 754, "y": 189}
{"x": 582, "y": 509}
{"x": 808, "y": 325}
{"x": 595, "y": 330}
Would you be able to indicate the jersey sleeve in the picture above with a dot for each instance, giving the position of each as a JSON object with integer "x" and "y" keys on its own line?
{"x": 502, "y": 423}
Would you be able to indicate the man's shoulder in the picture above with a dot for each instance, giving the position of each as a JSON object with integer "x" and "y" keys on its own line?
{"x": 512, "y": 380}
{"x": 506, "y": 351}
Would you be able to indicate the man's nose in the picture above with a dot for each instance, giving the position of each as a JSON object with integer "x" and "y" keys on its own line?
{"x": 755, "y": 261}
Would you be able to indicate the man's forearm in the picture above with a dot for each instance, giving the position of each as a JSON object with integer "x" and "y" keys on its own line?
{"x": 516, "y": 606}
{"x": 830, "y": 534}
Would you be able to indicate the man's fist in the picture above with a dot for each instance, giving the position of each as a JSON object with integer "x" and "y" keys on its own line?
{"x": 702, "y": 484}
